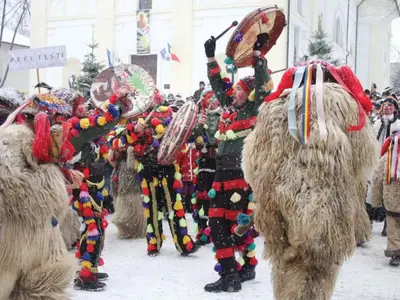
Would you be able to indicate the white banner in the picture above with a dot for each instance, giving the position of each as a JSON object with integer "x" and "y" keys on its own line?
{"x": 25, "y": 59}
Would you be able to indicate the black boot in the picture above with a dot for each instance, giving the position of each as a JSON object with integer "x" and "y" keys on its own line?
{"x": 384, "y": 233}
{"x": 227, "y": 283}
{"x": 247, "y": 274}
{"x": 102, "y": 276}
{"x": 194, "y": 249}
{"x": 395, "y": 261}
{"x": 88, "y": 284}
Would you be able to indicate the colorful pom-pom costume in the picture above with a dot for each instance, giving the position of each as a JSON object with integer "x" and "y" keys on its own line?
{"x": 230, "y": 194}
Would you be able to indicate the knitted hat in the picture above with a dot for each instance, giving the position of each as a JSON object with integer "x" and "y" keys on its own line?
{"x": 247, "y": 83}
{"x": 392, "y": 101}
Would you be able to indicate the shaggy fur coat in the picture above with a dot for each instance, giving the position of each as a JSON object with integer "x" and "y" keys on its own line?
{"x": 70, "y": 228}
{"x": 34, "y": 263}
{"x": 309, "y": 198}
{"x": 128, "y": 216}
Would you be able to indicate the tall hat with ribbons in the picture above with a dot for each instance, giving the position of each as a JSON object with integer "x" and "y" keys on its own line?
{"x": 317, "y": 72}
{"x": 391, "y": 149}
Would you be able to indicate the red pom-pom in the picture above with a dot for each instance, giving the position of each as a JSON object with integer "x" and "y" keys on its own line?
{"x": 108, "y": 117}
{"x": 104, "y": 224}
{"x": 87, "y": 212}
{"x": 225, "y": 115}
{"x": 155, "y": 122}
{"x": 189, "y": 246}
{"x": 253, "y": 261}
{"x": 86, "y": 173}
{"x": 137, "y": 148}
{"x": 90, "y": 248}
{"x": 103, "y": 149}
{"x": 151, "y": 248}
{"x": 101, "y": 262}
{"x": 134, "y": 137}
{"x": 105, "y": 212}
{"x": 229, "y": 92}
{"x": 241, "y": 248}
{"x": 248, "y": 240}
{"x": 74, "y": 132}
{"x": 233, "y": 116}
{"x": 92, "y": 226}
{"x": 74, "y": 121}
{"x": 180, "y": 213}
{"x": 239, "y": 266}
{"x": 86, "y": 273}
{"x": 145, "y": 191}
{"x": 194, "y": 180}
{"x": 170, "y": 111}
{"x": 130, "y": 127}
{"x": 233, "y": 229}
{"x": 113, "y": 99}
{"x": 84, "y": 187}
{"x": 78, "y": 254}
{"x": 115, "y": 178}
{"x": 92, "y": 120}
{"x": 177, "y": 184}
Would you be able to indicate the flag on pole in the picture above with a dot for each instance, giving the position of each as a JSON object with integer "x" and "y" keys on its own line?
{"x": 109, "y": 58}
{"x": 167, "y": 54}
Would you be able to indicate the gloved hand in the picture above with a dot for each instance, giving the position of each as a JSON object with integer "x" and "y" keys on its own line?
{"x": 210, "y": 46}
{"x": 196, "y": 216}
{"x": 262, "y": 40}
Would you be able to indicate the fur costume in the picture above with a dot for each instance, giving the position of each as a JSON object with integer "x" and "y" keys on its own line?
{"x": 70, "y": 228}
{"x": 308, "y": 196}
{"x": 34, "y": 263}
{"x": 385, "y": 192}
{"x": 128, "y": 216}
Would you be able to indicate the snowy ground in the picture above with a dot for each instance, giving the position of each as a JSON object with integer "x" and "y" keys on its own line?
{"x": 134, "y": 275}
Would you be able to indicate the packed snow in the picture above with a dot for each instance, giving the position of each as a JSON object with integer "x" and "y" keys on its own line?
{"x": 169, "y": 276}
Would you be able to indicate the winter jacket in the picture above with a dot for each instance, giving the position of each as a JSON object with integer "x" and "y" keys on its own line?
{"x": 187, "y": 162}
{"x": 384, "y": 194}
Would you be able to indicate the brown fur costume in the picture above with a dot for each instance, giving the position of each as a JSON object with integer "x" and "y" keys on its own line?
{"x": 128, "y": 216}
{"x": 34, "y": 263}
{"x": 70, "y": 228}
{"x": 308, "y": 197}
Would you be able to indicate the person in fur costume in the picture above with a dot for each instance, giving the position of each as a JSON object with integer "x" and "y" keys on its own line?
{"x": 128, "y": 216}
{"x": 307, "y": 185}
{"x": 385, "y": 191}
{"x": 230, "y": 194}
{"x": 210, "y": 113}
{"x": 10, "y": 100}
{"x": 33, "y": 199}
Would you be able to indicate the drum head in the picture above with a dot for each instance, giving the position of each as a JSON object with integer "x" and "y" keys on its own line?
{"x": 139, "y": 82}
{"x": 263, "y": 20}
{"x": 178, "y": 133}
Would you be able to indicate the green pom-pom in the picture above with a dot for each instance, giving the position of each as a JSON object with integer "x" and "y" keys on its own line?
{"x": 194, "y": 195}
{"x": 214, "y": 249}
{"x": 160, "y": 216}
{"x": 150, "y": 229}
{"x": 178, "y": 197}
{"x": 198, "y": 161}
{"x": 203, "y": 238}
{"x": 251, "y": 197}
{"x": 140, "y": 167}
{"x": 201, "y": 212}
{"x": 194, "y": 200}
{"x": 182, "y": 223}
{"x": 171, "y": 215}
{"x": 251, "y": 247}
{"x": 178, "y": 176}
{"x": 146, "y": 199}
{"x": 212, "y": 193}
{"x": 228, "y": 61}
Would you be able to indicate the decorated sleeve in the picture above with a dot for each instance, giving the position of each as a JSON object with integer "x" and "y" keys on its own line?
{"x": 263, "y": 80}
{"x": 93, "y": 127}
{"x": 217, "y": 83}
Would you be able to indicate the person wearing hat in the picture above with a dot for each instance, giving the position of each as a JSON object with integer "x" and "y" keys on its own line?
{"x": 231, "y": 196}
{"x": 197, "y": 94}
{"x": 387, "y": 121}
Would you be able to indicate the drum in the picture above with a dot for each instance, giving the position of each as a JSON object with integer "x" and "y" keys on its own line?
{"x": 263, "y": 20}
{"x": 141, "y": 85}
{"x": 178, "y": 133}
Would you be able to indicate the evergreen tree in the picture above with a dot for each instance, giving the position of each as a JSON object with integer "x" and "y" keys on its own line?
{"x": 91, "y": 68}
{"x": 319, "y": 47}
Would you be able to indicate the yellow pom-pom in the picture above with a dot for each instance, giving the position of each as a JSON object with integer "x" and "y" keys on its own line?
{"x": 178, "y": 205}
{"x": 177, "y": 168}
{"x": 129, "y": 139}
{"x": 146, "y": 213}
{"x": 101, "y": 121}
{"x": 252, "y": 95}
{"x": 90, "y": 221}
{"x": 87, "y": 205}
{"x": 76, "y": 204}
{"x": 201, "y": 212}
{"x": 186, "y": 239}
{"x": 84, "y": 123}
{"x": 240, "y": 260}
{"x": 251, "y": 206}
{"x": 153, "y": 241}
{"x": 160, "y": 129}
{"x": 163, "y": 237}
{"x": 139, "y": 167}
{"x": 86, "y": 264}
{"x": 90, "y": 242}
{"x": 230, "y": 134}
{"x": 105, "y": 156}
{"x": 251, "y": 253}
{"x": 164, "y": 182}
{"x": 163, "y": 108}
{"x": 144, "y": 184}
{"x": 217, "y": 135}
{"x": 155, "y": 181}
{"x": 200, "y": 140}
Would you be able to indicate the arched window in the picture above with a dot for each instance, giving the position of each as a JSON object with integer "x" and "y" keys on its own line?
{"x": 339, "y": 32}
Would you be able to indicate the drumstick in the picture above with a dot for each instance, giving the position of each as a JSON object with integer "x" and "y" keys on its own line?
{"x": 234, "y": 23}
{"x": 151, "y": 113}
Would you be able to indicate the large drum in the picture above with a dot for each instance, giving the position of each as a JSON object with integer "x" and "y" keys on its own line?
{"x": 178, "y": 133}
{"x": 263, "y": 20}
{"x": 139, "y": 82}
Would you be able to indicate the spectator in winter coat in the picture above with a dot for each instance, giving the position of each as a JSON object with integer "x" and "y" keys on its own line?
{"x": 197, "y": 94}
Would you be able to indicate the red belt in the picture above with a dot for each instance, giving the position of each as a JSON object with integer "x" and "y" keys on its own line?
{"x": 225, "y": 253}
{"x": 232, "y": 214}
{"x": 230, "y": 185}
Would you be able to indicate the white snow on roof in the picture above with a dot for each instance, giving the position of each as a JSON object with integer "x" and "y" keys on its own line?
{"x": 19, "y": 38}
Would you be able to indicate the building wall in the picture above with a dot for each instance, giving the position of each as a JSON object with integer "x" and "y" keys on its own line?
{"x": 187, "y": 24}
{"x": 16, "y": 79}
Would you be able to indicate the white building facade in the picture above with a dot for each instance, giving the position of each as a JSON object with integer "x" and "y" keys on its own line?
{"x": 359, "y": 30}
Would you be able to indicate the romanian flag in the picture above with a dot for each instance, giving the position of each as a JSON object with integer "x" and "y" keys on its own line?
{"x": 167, "y": 54}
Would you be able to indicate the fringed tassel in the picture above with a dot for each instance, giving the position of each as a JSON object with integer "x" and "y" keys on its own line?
{"x": 307, "y": 106}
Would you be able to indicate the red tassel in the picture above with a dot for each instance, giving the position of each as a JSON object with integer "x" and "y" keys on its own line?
{"x": 105, "y": 212}
{"x": 78, "y": 254}
{"x": 41, "y": 147}
{"x": 180, "y": 213}
{"x": 90, "y": 248}
{"x": 130, "y": 127}
{"x": 87, "y": 212}
{"x": 101, "y": 262}
{"x": 86, "y": 273}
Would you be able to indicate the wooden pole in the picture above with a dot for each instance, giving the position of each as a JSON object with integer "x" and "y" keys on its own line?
{"x": 38, "y": 79}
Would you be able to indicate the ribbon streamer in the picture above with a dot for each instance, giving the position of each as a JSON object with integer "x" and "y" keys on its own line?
{"x": 292, "y": 121}
{"x": 319, "y": 95}
{"x": 307, "y": 106}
